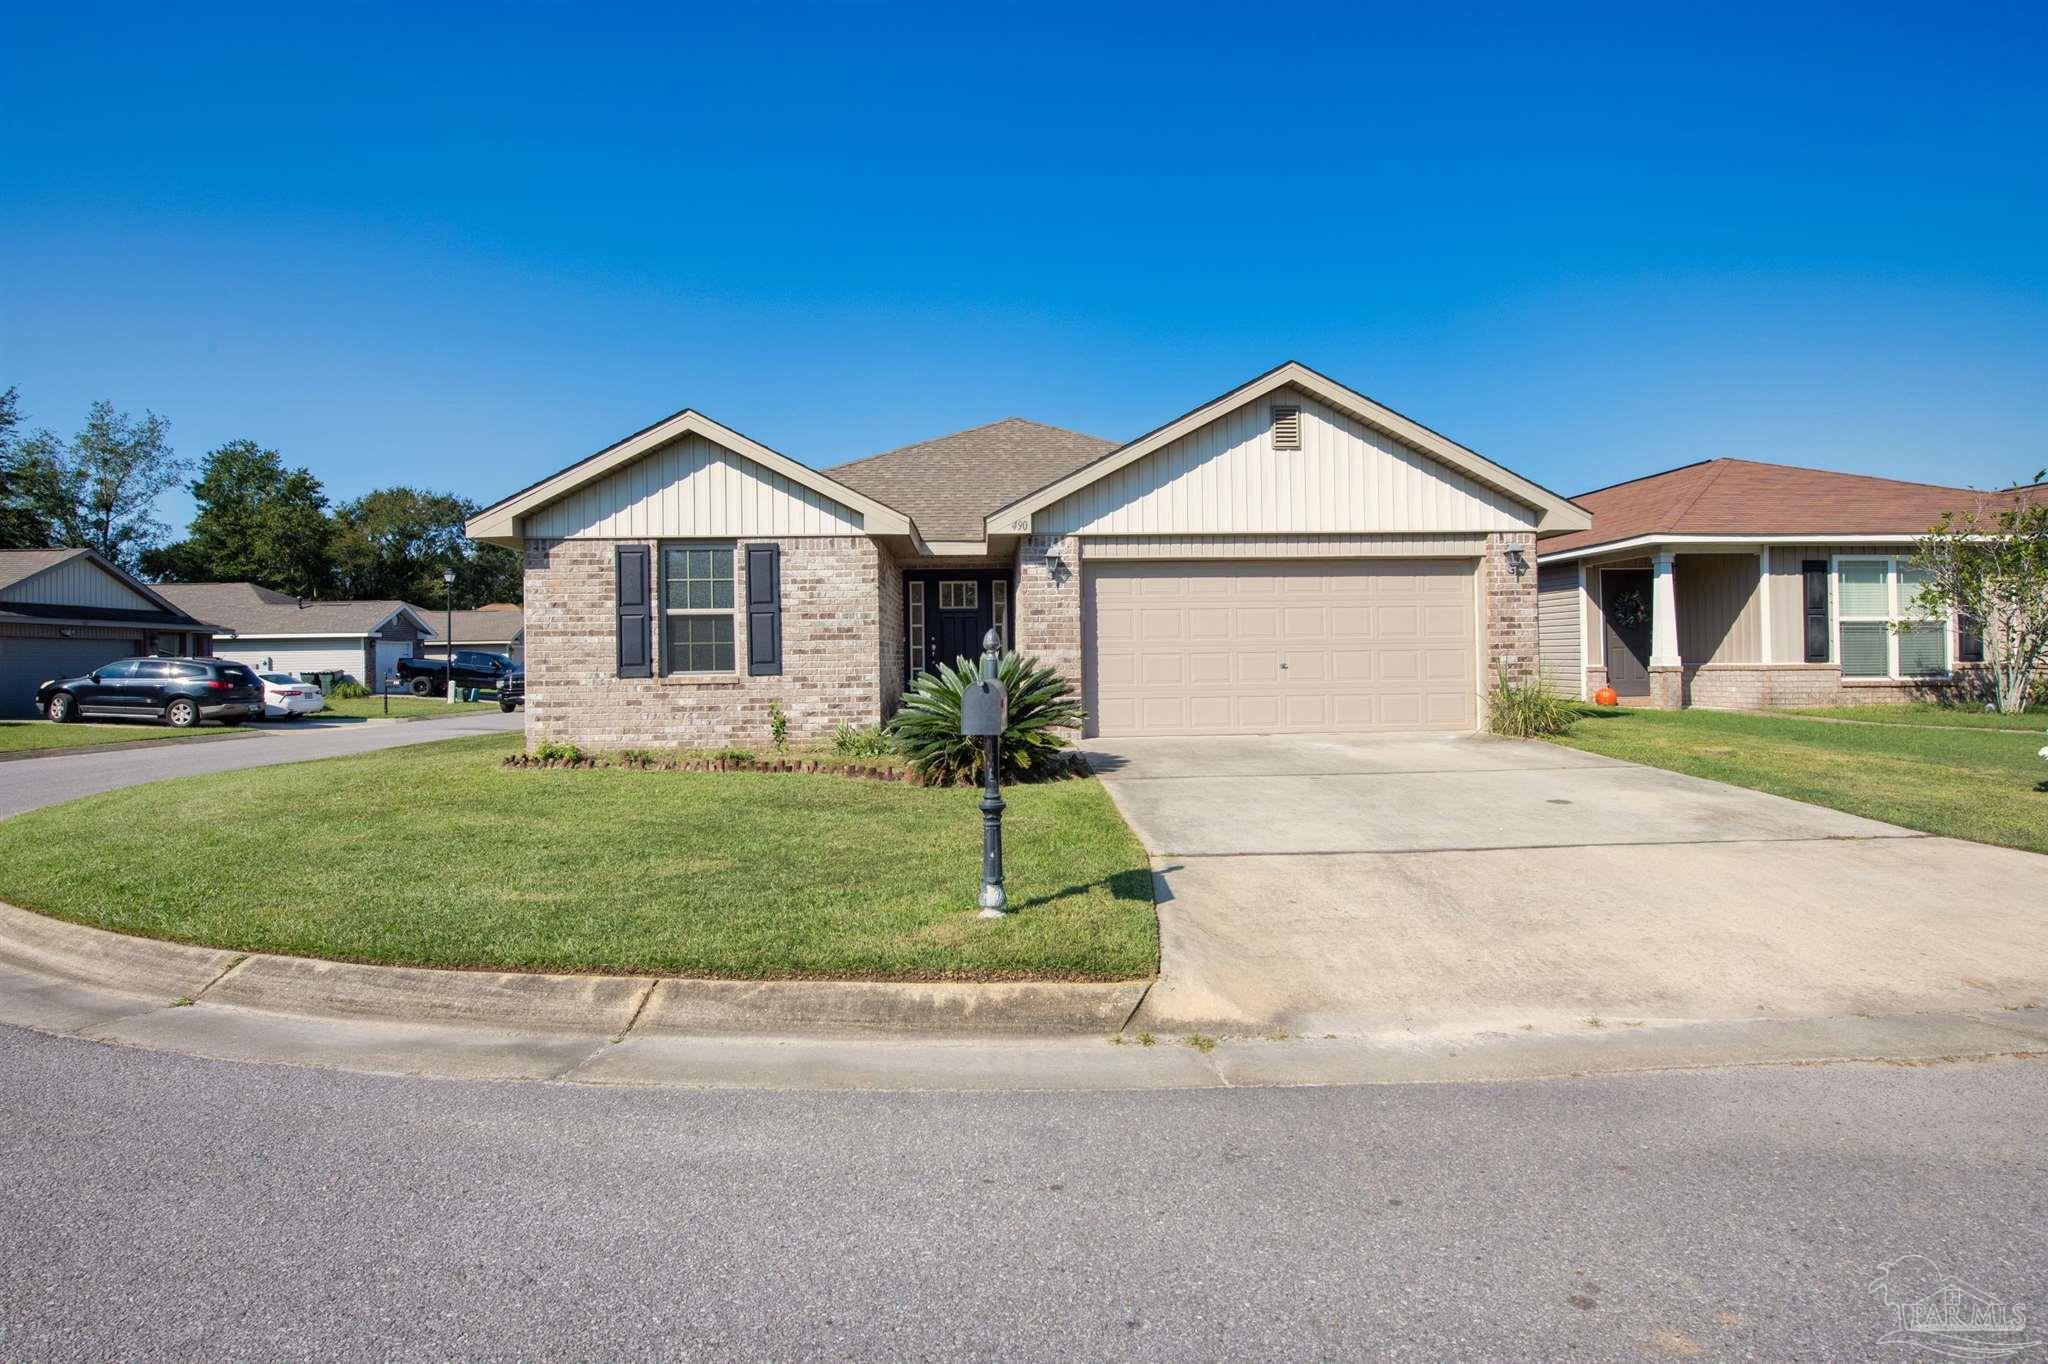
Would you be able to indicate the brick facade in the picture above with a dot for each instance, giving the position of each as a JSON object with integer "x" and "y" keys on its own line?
{"x": 832, "y": 674}
{"x": 1049, "y": 603}
{"x": 1508, "y": 607}
{"x": 1759, "y": 686}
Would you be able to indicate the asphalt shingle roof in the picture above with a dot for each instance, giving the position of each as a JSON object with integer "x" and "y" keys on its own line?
{"x": 1748, "y": 497}
{"x": 248, "y": 609}
{"x": 19, "y": 565}
{"x": 948, "y": 486}
{"x": 498, "y": 625}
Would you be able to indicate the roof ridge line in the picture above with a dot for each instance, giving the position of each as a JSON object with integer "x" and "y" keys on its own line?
{"x": 1677, "y": 514}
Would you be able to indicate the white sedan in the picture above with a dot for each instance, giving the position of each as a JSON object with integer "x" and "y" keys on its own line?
{"x": 287, "y": 698}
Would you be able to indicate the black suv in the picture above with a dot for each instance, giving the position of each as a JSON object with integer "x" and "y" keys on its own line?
{"x": 177, "y": 691}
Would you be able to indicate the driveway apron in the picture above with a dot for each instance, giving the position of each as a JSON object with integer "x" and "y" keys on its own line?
{"x": 1432, "y": 886}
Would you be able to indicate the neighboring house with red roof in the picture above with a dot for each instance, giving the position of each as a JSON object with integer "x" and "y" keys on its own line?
{"x": 1290, "y": 556}
{"x": 1738, "y": 583}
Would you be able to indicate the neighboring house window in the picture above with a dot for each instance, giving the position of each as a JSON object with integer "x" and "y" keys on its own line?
{"x": 697, "y": 606}
{"x": 1870, "y": 593}
{"x": 1969, "y": 640}
{"x": 916, "y": 627}
{"x": 999, "y": 603}
{"x": 959, "y": 595}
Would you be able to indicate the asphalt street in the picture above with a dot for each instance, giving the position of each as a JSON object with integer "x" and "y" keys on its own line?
{"x": 167, "y": 1208}
{"x": 35, "y": 782}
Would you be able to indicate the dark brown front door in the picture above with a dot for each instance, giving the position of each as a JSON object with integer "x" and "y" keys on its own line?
{"x": 1625, "y": 604}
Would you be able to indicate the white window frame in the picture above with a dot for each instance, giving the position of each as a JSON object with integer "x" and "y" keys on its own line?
{"x": 731, "y": 549}
{"x": 999, "y": 608}
{"x": 915, "y": 625}
{"x": 972, "y": 594}
{"x": 1894, "y": 580}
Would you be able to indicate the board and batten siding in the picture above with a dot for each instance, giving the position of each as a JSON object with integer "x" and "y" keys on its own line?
{"x": 79, "y": 582}
{"x": 1557, "y": 628}
{"x": 1227, "y": 479}
{"x": 1450, "y": 546}
{"x": 1788, "y": 602}
{"x": 691, "y": 487}
{"x": 1719, "y": 614}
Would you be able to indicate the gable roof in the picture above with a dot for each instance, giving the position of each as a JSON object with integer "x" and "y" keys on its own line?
{"x": 259, "y": 612}
{"x": 17, "y": 566}
{"x": 1555, "y": 514}
{"x": 950, "y": 485}
{"x": 499, "y": 522}
{"x": 1737, "y": 497}
{"x": 499, "y": 623}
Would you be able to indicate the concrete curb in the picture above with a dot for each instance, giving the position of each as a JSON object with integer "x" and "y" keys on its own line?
{"x": 606, "y": 1006}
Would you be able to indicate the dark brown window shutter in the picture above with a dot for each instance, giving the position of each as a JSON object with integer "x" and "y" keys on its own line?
{"x": 764, "y": 610}
{"x": 1969, "y": 640}
{"x": 636, "y": 658}
{"x": 1814, "y": 575}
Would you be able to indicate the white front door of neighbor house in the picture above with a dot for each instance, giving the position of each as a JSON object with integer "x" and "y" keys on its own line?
{"x": 1299, "y": 646}
{"x": 389, "y": 651}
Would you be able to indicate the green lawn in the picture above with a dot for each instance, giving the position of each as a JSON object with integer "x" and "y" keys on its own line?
{"x": 21, "y": 735}
{"x": 1964, "y": 783}
{"x": 441, "y": 856}
{"x": 2034, "y": 719}
{"x": 404, "y": 707}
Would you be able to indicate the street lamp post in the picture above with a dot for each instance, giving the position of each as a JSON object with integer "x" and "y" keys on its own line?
{"x": 448, "y": 644}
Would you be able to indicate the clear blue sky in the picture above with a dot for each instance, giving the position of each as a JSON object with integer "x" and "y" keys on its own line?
{"x": 463, "y": 247}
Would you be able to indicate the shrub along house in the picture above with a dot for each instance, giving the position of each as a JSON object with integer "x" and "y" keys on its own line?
{"x": 1291, "y": 556}
{"x": 1742, "y": 584}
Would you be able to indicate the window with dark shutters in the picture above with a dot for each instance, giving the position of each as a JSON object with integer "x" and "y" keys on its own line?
{"x": 764, "y": 610}
{"x": 636, "y": 658}
{"x": 1814, "y": 574}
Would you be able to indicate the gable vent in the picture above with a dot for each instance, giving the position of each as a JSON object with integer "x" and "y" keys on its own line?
{"x": 1286, "y": 427}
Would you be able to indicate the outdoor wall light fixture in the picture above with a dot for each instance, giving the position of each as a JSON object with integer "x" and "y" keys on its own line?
{"x": 1518, "y": 563}
{"x": 1056, "y": 566}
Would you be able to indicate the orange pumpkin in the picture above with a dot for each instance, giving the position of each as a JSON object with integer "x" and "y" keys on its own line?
{"x": 1605, "y": 697}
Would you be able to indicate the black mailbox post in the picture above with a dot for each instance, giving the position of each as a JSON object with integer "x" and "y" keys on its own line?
{"x": 984, "y": 715}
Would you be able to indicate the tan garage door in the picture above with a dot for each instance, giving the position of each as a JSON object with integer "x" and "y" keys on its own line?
{"x": 1301, "y": 646}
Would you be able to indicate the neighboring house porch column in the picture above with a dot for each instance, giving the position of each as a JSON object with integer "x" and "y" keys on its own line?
{"x": 1667, "y": 681}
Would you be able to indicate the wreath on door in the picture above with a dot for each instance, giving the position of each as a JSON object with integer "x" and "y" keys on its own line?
{"x": 1628, "y": 610}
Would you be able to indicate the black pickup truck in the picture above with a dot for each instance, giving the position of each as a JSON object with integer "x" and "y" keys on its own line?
{"x": 429, "y": 676}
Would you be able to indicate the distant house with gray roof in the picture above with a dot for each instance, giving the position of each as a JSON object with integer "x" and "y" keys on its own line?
{"x": 64, "y": 612}
{"x": 277, "y": 632}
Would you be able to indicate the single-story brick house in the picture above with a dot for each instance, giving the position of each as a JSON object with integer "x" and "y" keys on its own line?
{"x": 64, "y": 612}
{"x": 1291, "y": 556}
{"x": 1738, "y": 583}
{"x": 275, "y": 631}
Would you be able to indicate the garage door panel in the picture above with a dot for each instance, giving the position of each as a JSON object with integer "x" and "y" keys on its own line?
{"x": 1368, "y": 644}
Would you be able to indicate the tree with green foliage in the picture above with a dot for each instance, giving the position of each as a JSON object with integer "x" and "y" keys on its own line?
{"x": 23, "y": 524}
{"x": 396, "y": 542}
{"x": 1989, "y": 565}
{"x": 257, "y": 521}
{"x": 98, "y": 491}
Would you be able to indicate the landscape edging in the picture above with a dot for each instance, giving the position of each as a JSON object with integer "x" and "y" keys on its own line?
{"x": 165, "y": 972}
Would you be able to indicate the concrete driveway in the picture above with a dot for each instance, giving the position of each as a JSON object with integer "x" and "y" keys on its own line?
{"x": 1447, "y": 885}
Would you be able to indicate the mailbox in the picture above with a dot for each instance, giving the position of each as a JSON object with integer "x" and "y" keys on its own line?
{"x": 984, "y": 709}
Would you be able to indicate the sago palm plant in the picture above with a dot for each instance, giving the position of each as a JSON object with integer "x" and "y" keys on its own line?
{"x": 927, "y": 730}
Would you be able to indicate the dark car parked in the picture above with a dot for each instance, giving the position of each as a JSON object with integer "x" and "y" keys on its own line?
{"x": 473, "y": 668}
{"x": 512, "y": 691}
{"x": 176, "y": 691}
